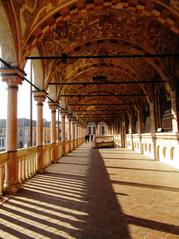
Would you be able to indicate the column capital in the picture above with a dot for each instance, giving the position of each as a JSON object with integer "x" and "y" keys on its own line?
{"x": 13, "y": 77}
{"x": 39, "y": 96}
{"x": 69, "y": 117}
{"x": 53, "y": 105}
{"x": 63, "y": 112}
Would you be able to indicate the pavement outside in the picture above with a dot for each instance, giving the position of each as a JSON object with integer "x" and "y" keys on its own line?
{"x": 96, "y": 194}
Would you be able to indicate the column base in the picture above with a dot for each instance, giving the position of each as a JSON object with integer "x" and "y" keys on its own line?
{"x": 41, "y": 171}
{"x": 63, "y": 148}
{"x": 12, "y": 188}
{"x": 41, "y": 166}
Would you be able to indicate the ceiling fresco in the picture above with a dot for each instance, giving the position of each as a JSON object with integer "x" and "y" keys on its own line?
{"x": 99, "y": 28}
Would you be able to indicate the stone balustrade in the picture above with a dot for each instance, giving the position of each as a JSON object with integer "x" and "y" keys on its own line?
{"x": 3, "y": 163}
{"x": 163, "y": 147}
{"x": 28, "y": 160}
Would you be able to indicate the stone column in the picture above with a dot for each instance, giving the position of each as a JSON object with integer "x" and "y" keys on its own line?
{"x": 153, "y": 127}
{"x": 139, "y": 116}
{"x": 174, "y": 113}
{"x": 39, "y": 97}
{"x": 13, "y": 80}
{"x": 73, "y": 135}
{"x": 53, "y": 136}
{"x": 70, "y": 135}
{"x": 63, "y": 113}
{"x": 152, "y": 115}
{"x": 77, "y": 133}
{"x": 63, "y": 125}
{"x": 131, "y": 128}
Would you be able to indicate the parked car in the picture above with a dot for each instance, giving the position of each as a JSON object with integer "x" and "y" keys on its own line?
{"x": 103, "y": 141}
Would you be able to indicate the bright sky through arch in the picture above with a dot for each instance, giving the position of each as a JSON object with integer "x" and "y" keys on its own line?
{"x": 23, "y": 100}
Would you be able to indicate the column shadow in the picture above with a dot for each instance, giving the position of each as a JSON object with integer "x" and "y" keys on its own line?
{"x": 106, "y": 218}
{"x": 70, "y": 205}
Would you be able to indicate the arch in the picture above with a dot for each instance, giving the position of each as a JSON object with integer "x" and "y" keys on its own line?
{"x": 155, "y": 64}
{"x": 7, "y": 46}
{"x": 102, "y": 128}
{"x": 91, "y": 126}
{"x": 38, "y": 70}
{"x": 59, "y": 15}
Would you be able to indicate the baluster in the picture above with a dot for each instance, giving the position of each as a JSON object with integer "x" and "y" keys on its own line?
{"x": 2, "y": 177}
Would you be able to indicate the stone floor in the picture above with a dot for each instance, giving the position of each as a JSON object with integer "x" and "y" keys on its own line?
{"x": 91, "y": 194}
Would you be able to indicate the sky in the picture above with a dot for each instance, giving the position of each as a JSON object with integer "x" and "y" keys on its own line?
{"x": 23, "y": 100}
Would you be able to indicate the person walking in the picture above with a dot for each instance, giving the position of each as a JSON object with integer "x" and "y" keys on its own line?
{"x": 86, "y": 138}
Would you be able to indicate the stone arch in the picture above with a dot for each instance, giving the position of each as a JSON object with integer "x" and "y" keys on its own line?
{"x": 38, "y": 70}
{"x": 91, "y": 128}
{"x": 7, "y": 47}
{"x": 102, "y": 128}
{"x": 158, "y": 9}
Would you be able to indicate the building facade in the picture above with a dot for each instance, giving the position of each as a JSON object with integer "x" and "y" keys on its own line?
{"x": 24, "y": 133}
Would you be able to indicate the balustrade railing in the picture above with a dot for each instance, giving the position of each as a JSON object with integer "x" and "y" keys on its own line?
{"x": 3, "y": 162}
{"x": 28, "y": 160}
{"x": 163, "y": 146}
{"x": 47, "y": 154}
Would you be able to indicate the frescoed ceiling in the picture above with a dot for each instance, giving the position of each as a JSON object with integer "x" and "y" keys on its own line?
{"x": 99, "y": 28}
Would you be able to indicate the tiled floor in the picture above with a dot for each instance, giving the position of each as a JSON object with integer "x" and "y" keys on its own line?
{"x": 91, "y": 194}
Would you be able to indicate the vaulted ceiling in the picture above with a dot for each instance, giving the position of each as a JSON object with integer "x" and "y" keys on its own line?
{"x": 98, "y": 28}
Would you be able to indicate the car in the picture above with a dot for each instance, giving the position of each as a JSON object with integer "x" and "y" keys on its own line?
{"x": 103, "y": 141}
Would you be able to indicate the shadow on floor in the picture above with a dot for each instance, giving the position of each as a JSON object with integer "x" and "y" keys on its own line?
{"x": 66, "y": 203}
{"x": 69, "y": 202}
{"x": 142, "y": 185}
{"x": 143, "y": 169}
